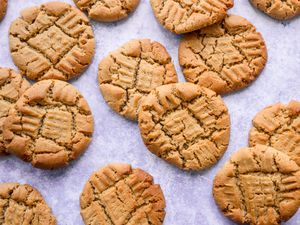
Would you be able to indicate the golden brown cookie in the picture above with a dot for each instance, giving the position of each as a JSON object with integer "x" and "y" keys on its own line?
{"x": 278, "y": 9}
{"x": 3, "y": 7}
{"x": 23, "y": 204}
{"x": 131, "y": 72}
{"x": 12, "y": 85}
{"x": 185, "y": 16}
{"x": 50, "y": 125}
{"x": 53, "y": 41}
{"x": 107, "y": 10}
{"x": 258, "y": 186}
{"x": 185, "y": 124}
{"x": 118, "y": 194}
{"x": 224, "y": 57}
{"x": 278, "y": 126}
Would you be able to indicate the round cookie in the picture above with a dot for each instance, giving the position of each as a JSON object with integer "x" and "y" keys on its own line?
{"x": 107, "y": 10}
{"x": 185, "y": 124}
{"x": 131, "y": 72}
{"x": 50, "y": 125}
{"x": 186, "y": 16}
{"x": 258, "y": 185}
{"x": 118, "y": 194}
{"x": 224, "y": 57}
{"x": 23, "y": 204}
{"x": 53, "y": 41}
{"x": 3, "y": 7}
{"x": 278, "y": 126}
{"x": 12, "y": 85}
{"x": 278, "y": 9}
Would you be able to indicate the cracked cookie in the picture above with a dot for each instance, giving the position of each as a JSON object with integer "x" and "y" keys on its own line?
{"x": 224, "y": 57}
{"x": 53, "y": 41}
{"x": 257, "y": 186}
{"x": 107, "y": 10}
{"x": 23, "y": 204}
{"x": 182, "y": 16}
{"x": 3, "y": 7}
{"x": 278, "y": 9}
{"x": 131, "y": 72}
{"x": 185, "y": 124}
{"x": 50, "y": 125}
{"x": 12, "y": 86}
{"x": 278, "y": 126}
{"x": 119, "y": 195}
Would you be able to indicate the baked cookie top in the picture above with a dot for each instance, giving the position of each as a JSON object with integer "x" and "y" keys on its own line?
{"x": 119, "y": 194}
{"x": 131, "y": 72}
{"x": 3, "y": 7}
{"x": 107, "y": 10}
{"x": 258, "y": 185}
{"x": 23, "y": 204}
{"x": 12, "y": 85}
{"x": 224, "y": 57}
{"x": 181, "y": 16}
{"x": 278, "y": 9}
{"x": 185, "y": 124}
{"x": 53, "y": 41}
{"x": 278, "y": 126}
{"x": 50, "y": 125}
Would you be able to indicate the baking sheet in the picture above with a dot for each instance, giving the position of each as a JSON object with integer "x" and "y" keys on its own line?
{"x": 188, "y": 195}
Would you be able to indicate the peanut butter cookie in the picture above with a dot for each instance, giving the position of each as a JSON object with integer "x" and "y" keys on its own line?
{"x": 278, "y": 9}
{"x": 107, "y": 10}
{"x": 53, "y": 41}
{"x": 118, "y": 194}
{"x": 257, "y": 186}
{"x": 23, "y": 204}
{"x": 3, "y": 7}
{"x": 185, "y": 124}
{"x": 131, "y": 72}
{"x": 12, "y": 85}
{"x": 224, "y": 57}
{"x": 185, "y": 16}
{"x": 278, "y": 126}
{"x": 50, "y": 125}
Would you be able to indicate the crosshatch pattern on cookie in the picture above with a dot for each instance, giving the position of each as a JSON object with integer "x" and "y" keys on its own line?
{"x": 225, "y": 57}
{"x": 23, "y": 204}
{"x": 185, "y": 124}
{"x": 258, "y": 185}
{"x": 12, "y": 86}
{"x": 131, "y": 72}
{"x": 107, "y": 10}
{"x": 50, "y": 125}
{"x": 118, "y": 194}
{"x": 185, "y": 16}
{"x": 278, "y": 9}
{"x": 278, "y": 126}
{"x": 54, "y": 41}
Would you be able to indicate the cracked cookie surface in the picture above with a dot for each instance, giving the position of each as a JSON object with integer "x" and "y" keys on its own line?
{"x": 107, "y": 10}
{"x": 185, "y": 124}
{"x": 53, "y": 41}
{"x": 12, "y": 86}
{"x": 131, "y": 72}
{"x": 183, "y": 16}
{"x": 23, "y": 204}
{"x": 278, "y": 9}
{"x": 258, "y": 186}
{"x": 224, "y": 57}
{"x": 118, "y": 194}
{"x": 278, "y": 126}
{"x": 50, "y": 125}
{"x": 3, "y": 7}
